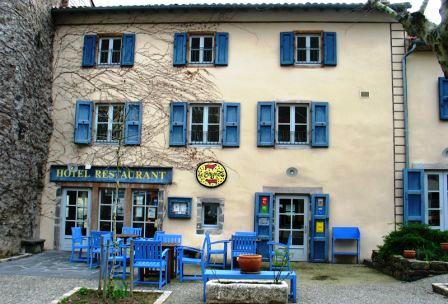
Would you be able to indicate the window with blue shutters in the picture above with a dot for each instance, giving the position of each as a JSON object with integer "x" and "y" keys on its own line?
{"x": 109, "y": 122}
{"x": 300, "y": 123}
{"x": 83, "y": 122}
{"x": 305, "y": 48}
{"x": 201, "y": 49}
{"x": 210, "y": 124}
{"x": 109, "y": 50}
{"x": 443, "y": 98}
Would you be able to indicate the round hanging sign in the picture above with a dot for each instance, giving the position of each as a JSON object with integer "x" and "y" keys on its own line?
{"x": 211, "y": 174}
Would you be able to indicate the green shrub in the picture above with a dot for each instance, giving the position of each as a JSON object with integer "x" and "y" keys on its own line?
{"x": 421, "y": 238}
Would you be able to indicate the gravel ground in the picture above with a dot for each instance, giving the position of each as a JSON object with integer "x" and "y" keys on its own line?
{"x": 318, "y": 283}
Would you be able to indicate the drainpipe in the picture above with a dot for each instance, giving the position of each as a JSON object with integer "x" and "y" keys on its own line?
{"x": 405, "y": 103}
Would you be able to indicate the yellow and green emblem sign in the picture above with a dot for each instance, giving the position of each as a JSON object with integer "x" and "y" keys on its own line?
{"x": 211, "y": 174}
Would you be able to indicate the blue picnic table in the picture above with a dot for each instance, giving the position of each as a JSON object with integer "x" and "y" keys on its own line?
{"x": 215, "y": 274}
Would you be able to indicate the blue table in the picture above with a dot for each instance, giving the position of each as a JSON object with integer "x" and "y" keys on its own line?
{"x": 263, "y": 275}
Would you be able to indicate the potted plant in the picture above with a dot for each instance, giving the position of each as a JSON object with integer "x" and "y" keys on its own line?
{"x": 444, "y": 246}
{"x": 249, "y": 263}
{"x": 409, "y": 254}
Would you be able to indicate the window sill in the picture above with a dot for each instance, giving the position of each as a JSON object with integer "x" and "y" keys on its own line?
{"x": 293, "y": 146}
{"x": 205, "y": 145}
{"x": 309, "y": 65}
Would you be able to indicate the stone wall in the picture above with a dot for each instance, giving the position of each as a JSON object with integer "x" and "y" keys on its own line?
{"x": 407, "y": 269}
{"x": 26, "y": 33}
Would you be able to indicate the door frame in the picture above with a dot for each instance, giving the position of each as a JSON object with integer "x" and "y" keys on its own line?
{"x": 306, "y": 220}
{"x": 62, "y": 237}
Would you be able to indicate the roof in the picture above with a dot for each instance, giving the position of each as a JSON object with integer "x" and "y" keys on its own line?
{"x": 221, "y": 6}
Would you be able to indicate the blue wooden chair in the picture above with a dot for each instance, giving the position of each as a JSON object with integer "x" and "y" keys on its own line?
{"x": 243, "y": 243}
{"x": 148, "y": 254}
{"x": 184, "y": 259}
{"x": 158, "y": 232}
{"x": 121, "y": 258}
{"x": 95, "y": 239}
{"x": 246, "y": 233}
{"x": 78, "y": 245}
{"x": 279, "y": 255}
{"x": 131, "y": 230}
{"x": 221, "y": 250}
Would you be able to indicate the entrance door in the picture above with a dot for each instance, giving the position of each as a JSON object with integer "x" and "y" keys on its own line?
{"x": 75, "y": 212}
{"x": 292, "y": 217}
{"x": 144, "y": 211}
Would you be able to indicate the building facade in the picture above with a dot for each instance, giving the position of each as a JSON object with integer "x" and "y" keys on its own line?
{"x": 279, "y": 119}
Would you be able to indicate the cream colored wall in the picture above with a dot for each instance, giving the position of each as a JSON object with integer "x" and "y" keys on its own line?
{"x": 428, "y": 135}
{"x": 356, "y": 170}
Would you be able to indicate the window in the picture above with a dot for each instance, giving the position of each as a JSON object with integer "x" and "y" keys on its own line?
{"x": 308, "y": 49}
{"x": 292, "y": 124}
{"x": 109, "y": 122}
{"x": 201, "y": 49}
{"x": 109, "y": 51}
{"x": 210, "y": 214}
{"x": 144, "y": 211}
{"x": 205, "y": 124}
{"x": 437, "y": 200}
{"x": 107, "y": 202}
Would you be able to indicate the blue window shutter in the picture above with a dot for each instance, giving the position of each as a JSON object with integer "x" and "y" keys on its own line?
{"x": 180, "y": 49}
{"x": 414, "y": 196}
{"x": 83, "y": 122}
{"x": 231, "y": 119}
{"x": 286, "y": 48}
{"x": 133, "y": 125}
{"x": 222, "y": 49}
{"x": 443, "y": 98}
{"x": 319, "y": 124}
{"x": 128, "y": 50}
{"x": 178, "y": 124}
{"x": 330, "y": 52}
{"x": 88, "y": 51}
{"x": 319, "y": 241}
{"x": 266, "y": 124}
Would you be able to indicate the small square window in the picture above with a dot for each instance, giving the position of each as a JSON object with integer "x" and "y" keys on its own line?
{"x": 109, "y": 51}
{"x": 201, "y": 49}
{"x": 308, "y": 49}
{"x": 210, "y": 214}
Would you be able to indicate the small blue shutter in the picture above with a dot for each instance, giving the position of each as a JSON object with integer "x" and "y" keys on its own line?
{"x": 231, "y": 132}
{"x": 128, "y": 50}
{"x": 414, "y": 196}
{"x": 83, "y": 122}
{"x": 180, "y": 49}
{"x": 266, "y": 124}
{"x": 319, "y": 124}
{"x": 88, "y": 51}
{"x": 222, "y": 49}
{"x": 286, "y": 48}
{"x": 178, "y": 124}
{"x": 133, "y": 126}
{"x": 330, "y": 53}
{"x": 443, "y": 98}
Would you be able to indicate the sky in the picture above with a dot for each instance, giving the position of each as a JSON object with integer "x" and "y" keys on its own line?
{"x": 432, "y": 11}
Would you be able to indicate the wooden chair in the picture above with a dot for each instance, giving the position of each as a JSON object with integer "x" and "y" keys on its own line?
{"x": 148, "y": 254}
{"x": 95, "y": 239}
{"x": 280, "y": 254}
{"x": 78, "y": 245}
{"x": 243, "y": 243}
{"x": 183, "y": 259}
{"x": 222, "y": 250}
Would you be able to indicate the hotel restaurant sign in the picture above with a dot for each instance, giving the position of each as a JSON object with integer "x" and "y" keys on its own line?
{"x": 138, "y": 175}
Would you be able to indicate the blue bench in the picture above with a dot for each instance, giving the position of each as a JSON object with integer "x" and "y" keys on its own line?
{"x": 346, "y": 234}
{"x": 212, "y": 274}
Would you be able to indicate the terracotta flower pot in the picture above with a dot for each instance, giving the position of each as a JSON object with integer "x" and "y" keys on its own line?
{"x": 409, "y": 254}
{"x": 249, "y": 262}
{"x": 444, "y": 246}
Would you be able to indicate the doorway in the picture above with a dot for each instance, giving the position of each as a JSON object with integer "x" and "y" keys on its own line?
{"x": 75, "y": 212}
{"x": 291, "y": 217}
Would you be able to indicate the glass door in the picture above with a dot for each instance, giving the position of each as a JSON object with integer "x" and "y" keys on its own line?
{"x": 75, "y": 212}
{"x": 436, "y": 185}
{"x": 292, "y": 218}
{"x": 144, "y": 211}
